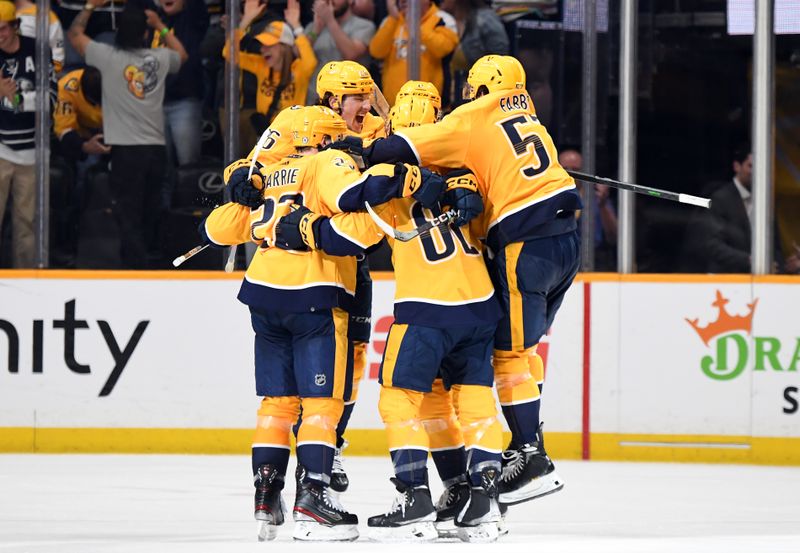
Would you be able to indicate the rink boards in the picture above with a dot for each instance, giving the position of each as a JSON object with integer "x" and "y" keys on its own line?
{"x": 638, "y": 367}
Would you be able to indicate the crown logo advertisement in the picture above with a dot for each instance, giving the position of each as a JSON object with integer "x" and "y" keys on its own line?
{"x": 725, "y": 321}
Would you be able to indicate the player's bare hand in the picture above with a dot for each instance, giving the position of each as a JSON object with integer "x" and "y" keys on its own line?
{"x": 98, "y": 3}
{"x": 8, "y": 88}
{"x": 292, "y": 13}
{"x": 95, "y": 146}
{"x": 392, "y": 9}
{"x": 153, "y": 20}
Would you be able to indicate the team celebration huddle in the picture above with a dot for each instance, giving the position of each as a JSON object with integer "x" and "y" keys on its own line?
{"x": 480, "y": 218}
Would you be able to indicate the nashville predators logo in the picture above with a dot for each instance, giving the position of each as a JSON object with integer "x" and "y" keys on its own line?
{"x": 142, "y": 79}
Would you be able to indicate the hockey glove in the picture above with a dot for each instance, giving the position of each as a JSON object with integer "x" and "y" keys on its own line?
{"x": 298, "y": 230}
{"x": 246, "y": 191}
{"x": 462, "y": 195}
{"x": 354, "y": 147}
{"x": 421, "y": 184}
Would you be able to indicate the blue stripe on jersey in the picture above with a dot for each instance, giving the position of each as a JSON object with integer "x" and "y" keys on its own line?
{"x": 536, "y": 221}
{"x": 445, "y": 316}
{"x": 266, "y": 298}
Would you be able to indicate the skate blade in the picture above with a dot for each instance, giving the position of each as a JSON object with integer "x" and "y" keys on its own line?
{"x": 502, "y": 529}
{"x": 305, "y": 530}
{"x": 446, "y": 529}
{"x": 538, "y": 487}
{"x": 267, "y": 531}
{"x": 414, "y": 532}
{"x": 486, "y": 532}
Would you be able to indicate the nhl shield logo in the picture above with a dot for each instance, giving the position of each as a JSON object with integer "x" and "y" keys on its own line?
{"x": 319, "y": 379}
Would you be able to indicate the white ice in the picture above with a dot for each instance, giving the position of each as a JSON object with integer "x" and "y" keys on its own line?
{"x": 200, "y": 504}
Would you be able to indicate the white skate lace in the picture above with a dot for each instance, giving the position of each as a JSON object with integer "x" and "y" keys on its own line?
{"x": 338, "y": 467}
{"x": 399, "y": 503}
{"x": 515, "y": 464}
{"x": 447, "y": 498}
{"x": 332, "y": 501}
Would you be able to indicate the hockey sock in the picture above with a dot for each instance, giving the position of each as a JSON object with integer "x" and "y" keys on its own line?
{"x": 279, "y": 457}
{"x": 405, "y": 432}
{"x": 451, "y": 464}
{"x": 271, "y": 438}
{"x": 518, "y": 394}
{"x": 483, "y": 434}
{"x": 410, "y": 466}
{"x": 342, "y": 426}
{"x": 317, "y": 436}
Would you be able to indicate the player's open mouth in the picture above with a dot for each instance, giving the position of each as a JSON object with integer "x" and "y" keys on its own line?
{"x": 359, "y": 119}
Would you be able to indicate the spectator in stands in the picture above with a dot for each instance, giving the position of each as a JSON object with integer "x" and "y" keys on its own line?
{"x": 101, "y": 28}
{"x": 337, "y": 35}
{"x": 17, "y": 129}
{"x": 79, "y": 117}
{"x": 605, "y": 216}
{"x": 183, "y": 109}
{"x": 480, "y": 32}
{"x": 26, "y": 12}
{"x": 721, "y": 235}
{"x": 438, "y": 38}
{"x": 284, "y": 66}
{"x": 78, "y": 125}
{"x": 133, "y": 78}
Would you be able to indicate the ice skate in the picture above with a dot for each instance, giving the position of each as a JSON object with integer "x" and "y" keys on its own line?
{"x": 477, "y": 522}
{"x": 268, "y": 501}
{"x": 410, "y": 519}
{"x": 318, "y": 515}
{"x": 452, "y": 500}
{"x": 339, "y": 480}
{"x": 528, "y": 473}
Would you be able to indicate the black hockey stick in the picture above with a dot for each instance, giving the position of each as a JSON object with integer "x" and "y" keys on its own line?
{"x": 639, "y": 189}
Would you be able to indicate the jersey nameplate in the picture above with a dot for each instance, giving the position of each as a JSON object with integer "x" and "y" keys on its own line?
{"x": 282, "y": 177}
{"x": 515, "y": 102}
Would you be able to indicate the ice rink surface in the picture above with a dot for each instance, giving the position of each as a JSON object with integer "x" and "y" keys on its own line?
{"x": 203, "y": 504}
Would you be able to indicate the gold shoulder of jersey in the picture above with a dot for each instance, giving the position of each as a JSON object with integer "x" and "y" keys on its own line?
{"x": 374, "y": 127}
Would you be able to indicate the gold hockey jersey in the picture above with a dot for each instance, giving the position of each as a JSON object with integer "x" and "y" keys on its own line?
{"x": 500, "y": 139}
{"x": 328, "y": 183}
{"x": 441, "y": 279}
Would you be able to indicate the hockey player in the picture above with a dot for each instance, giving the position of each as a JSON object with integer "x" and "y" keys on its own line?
{"x": 531, "y": 238}
{"x": 419, "y": 103}
{"x": 437, "y": 325}
{"x": 346, "y": 87}
{"x": 298, "y": 304}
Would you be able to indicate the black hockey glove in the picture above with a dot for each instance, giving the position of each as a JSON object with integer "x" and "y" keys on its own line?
{"x": 298, "y": 230}
{"x": 462, "y": 195}
{"x": 246, "y": 191}
{"x": 354, "y": 147}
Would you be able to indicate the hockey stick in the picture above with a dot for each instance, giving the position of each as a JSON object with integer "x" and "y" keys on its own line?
{"x": 380, "y": 103}
{"x": 639, "y": 189}
{"x": 442, "y": 221}
{"x": 178, "y": 261}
